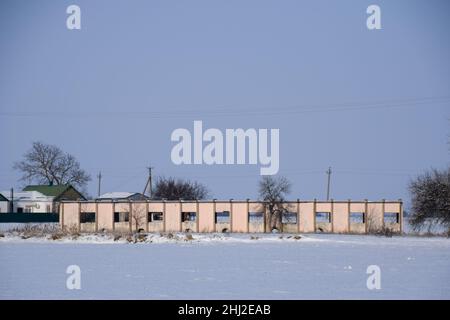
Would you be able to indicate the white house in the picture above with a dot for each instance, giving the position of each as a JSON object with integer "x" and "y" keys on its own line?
{"x": 4, "y": 204}
{"x": 29, "y": 201}
{"x": 42, "y": 198}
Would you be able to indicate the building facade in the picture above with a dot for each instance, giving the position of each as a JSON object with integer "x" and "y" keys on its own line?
{"x": 56, "y": 193}
{"x": 231, "y": 216}
{"x": 4, "y": 204}
{"x": 30, "y": 202}
{"x": 41, "y": 198}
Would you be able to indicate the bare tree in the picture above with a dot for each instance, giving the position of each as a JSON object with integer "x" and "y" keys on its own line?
{"x": 430, "y": 201}
{"x": 139, "y": 216}
{"x": 175, "y": 189}
{"x": 273, "y": 192}
{"x": 47, "y": 164}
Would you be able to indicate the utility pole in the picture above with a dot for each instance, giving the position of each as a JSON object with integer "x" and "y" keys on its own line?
{"x": 149, "y": 182}
{"x": 99, "y": 176}
{"x": 11, "y": 207}
{"x": 328, "y": 184}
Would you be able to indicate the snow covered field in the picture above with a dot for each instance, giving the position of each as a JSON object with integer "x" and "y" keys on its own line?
{"x": 227, "y": 267}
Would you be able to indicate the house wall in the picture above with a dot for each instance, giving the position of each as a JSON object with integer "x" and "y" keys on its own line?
{"x": 340, "y": 221}
{"x": 34, "y": 205}
{"x": 70, "y": 194}
{"x": 4, "y": 206}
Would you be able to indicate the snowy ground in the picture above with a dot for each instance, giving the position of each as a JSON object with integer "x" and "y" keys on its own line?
{"x": 226, "y": 267}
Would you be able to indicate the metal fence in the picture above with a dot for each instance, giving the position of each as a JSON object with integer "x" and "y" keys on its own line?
{"x": 16, "y": 217}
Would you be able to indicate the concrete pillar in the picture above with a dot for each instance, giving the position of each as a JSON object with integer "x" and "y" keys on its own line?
{"x": 314, "y": 212}
{"x": 348, "y": 215}
{"x": 197, "y": 216}
{"x": 366, "y": 215}
{"x": 164, "y": 216}
{"x": 146, "y": 215}
{"x": 79, "y": 216}
{"x": 96, "y": 216}
{"x": 113, "y": 214}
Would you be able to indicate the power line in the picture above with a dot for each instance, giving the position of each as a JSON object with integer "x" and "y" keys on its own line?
{"x": 271, "y": 111}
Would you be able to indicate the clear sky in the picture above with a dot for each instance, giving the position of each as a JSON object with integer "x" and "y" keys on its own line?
{"x": 372, "y": 104}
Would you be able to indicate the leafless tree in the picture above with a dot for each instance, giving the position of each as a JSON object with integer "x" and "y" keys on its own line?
{"x": 139, "y": 216}
{"x": 430, "y": 201}
{"x": 47, "y": 164}
{"x": 175, "y": 189}
{"x": 273, "y": 191}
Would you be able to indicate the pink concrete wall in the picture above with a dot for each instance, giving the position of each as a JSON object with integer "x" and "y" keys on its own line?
{"x": 188, "y": 206}
{"x": 122, "y": 207}
{"x": 206, "y": 217}
{"x": 173, "y": 216}
{"x": 156, "y": 226}
{"x": 191, "y": 226}
{"x": 220, "y": 207}
{"x": 139, "y": 216}
{"x": 156, "y": 207}
{"x": 105, "y": 216}
{"x": 357, "y": 207}
{"x": 374, "y": 216}
{"x": 323, "y": 226}
{"x": 239, "y": 219}
{"x": 307, "y": 217}
{"x": 239, "y": 216}
{"x": 358, "y": 227}
{"x": 260, "y": 225}
{"x": 89, "y": 226}
{"x": 70, "y": 215}
{"x": 87, "y": 207}
{"x": 223, "y": 206}
{"x": 392, "y": 207}
{"x": 291, "y": 227}
{"x": 126, "y": 225}
{"x": 323, "y": 207}
{"x": 340, "y": 217}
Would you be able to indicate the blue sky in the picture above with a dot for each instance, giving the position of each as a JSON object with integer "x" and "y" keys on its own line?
{"x": 373, "y": 105}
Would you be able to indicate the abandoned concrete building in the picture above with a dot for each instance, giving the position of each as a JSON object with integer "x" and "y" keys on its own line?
{"x": 231, "y": 216}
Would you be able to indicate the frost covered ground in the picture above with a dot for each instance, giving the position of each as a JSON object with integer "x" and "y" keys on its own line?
{"x": 211, "y": 266}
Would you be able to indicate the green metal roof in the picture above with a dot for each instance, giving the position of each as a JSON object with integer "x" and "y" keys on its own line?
{"x": 50, "y": 191}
